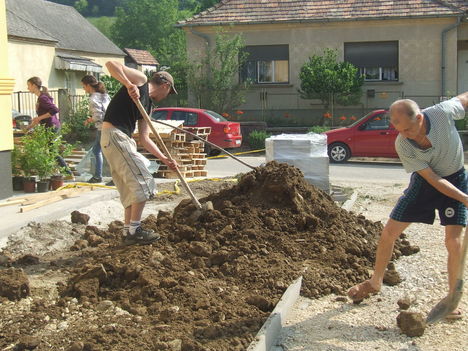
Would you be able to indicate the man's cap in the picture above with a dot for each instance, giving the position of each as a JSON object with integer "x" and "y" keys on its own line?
{"x": 166, "y": 76}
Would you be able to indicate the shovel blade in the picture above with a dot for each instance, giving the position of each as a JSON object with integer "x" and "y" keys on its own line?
{"x": 446, "y": 305}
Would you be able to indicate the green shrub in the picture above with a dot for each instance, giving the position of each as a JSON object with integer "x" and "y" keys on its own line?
{"x": 74, "y": 129}
{"x": 112, "y": 85}
{"x": 256, "y": 139}
{"x": 318, "y": 129}
{"x": 38, "y": 152}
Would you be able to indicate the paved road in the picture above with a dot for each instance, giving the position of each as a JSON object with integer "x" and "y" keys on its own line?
{"x": 358, "y": 171}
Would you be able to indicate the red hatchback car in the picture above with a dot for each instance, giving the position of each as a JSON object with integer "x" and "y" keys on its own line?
{"x": 225, "y": 134}
{"x": 371, "y": 136}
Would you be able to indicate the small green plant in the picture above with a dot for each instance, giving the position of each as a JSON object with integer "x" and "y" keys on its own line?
{"x": 38, "y": 152}
{"x": 112, "y": 85}
{"x": 16, "y": 161}
{"x": 74, "y": 129}
{"x": 257, "y": 138}
{"x": 318, "y": 129}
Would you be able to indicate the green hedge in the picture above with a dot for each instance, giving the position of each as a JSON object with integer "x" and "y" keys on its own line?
{"x": 257, "y": 138}
{"x": 318, "y": 129}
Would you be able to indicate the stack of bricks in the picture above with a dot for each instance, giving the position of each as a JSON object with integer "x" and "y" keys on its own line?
{"x": 186, "y": 150}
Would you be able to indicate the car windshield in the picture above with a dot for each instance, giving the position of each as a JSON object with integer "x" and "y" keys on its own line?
{"x": 360, "y": 119}
{"x": 216, "y": 116}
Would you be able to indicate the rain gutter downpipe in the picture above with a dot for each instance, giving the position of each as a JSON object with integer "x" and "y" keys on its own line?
{"x": 443, "y": 38}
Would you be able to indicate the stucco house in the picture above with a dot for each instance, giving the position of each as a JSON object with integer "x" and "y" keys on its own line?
{"x": 55, "y": 43}
{"x": 412, "y": 48}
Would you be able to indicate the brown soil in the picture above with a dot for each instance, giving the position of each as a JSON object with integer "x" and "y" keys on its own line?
{"x": 210, "y": 283}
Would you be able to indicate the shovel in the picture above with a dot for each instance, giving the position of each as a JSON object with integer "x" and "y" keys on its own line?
{"x": 200, "y": 208}
{"x": 450, "y": 302}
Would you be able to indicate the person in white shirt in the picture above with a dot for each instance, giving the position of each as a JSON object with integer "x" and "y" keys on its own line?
{"x": 98, "y": 102}
{"x": 430, "y": 148}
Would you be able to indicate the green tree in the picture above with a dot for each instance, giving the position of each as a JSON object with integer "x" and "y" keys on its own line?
{"x": 213, "y": 80}
{"x": 103, "y": 24}
{"x": 149, "y": 25}
{"x": 196, "y": 6}
{"x": 92, "y": 7}
{"x": 81, "y": 5}
{"x": 325, "y": 78}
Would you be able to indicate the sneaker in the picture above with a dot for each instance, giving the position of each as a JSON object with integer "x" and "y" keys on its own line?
{"x": 141, "y": 236}
{"x": 110, "y": 183}
{"x": 95, "y": 180}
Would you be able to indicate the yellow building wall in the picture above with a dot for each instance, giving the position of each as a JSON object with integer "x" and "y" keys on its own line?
{"x": 30, "y": 59}
{"x": 6, "y": 87}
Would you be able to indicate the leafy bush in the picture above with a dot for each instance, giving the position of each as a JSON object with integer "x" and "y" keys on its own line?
{"x": 318, "y": 129}
{"x": 74, "y": 129}
{"x": 112, "y": 85}
{"x": 38, "y": 152}
{"x": 257, "y": 138}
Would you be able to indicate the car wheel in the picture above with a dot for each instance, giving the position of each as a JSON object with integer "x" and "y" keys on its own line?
{"x": 215, "y": 152}
{"x": 339, "y": 152}
{"x": 211, "y": 151}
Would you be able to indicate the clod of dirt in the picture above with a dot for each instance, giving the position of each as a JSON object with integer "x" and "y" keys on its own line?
{"x": 260, "y": 302}
{"x": 78, "y": 217}
{"x": 409, "y": 249}
{"x": 14, "y": 284}
{"x": 27, "y": 343}
{"x": 391, "y": 278}
{"x": 80, "y": 244}
{"x": 404, "y": 303}
{"x": 411, "y": 323}
{"x": 27, "y": 260}
{"x": 5, "y": 260}
{"x": 76, "y": 346}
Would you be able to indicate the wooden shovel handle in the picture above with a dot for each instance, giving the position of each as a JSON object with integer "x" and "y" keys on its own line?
{"x": 167, "y": 153}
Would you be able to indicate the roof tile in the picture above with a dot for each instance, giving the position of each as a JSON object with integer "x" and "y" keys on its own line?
{"x": 267, "y": 11}
{"x": 141, "y": 57}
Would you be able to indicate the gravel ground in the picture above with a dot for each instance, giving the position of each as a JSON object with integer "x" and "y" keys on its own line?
{"x": 328, "y": 324}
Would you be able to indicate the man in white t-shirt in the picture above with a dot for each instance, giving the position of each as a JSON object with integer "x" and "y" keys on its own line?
{"x": 430, "y": 148}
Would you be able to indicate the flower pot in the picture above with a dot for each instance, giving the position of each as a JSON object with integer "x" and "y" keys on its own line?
{"x": 29, "y": 185}
{"x": 43, "y": 186}
{"x": 17, "y": 182}
{"x": 56, "y": 182}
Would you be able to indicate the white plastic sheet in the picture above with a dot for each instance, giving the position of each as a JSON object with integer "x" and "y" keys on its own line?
{"x": 308, "y": 152}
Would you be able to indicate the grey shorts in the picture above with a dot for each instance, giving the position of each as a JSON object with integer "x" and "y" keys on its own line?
{"x": 132, "y": 178}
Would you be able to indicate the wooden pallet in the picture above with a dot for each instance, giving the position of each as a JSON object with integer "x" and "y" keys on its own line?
{"x": 184, "y": 149}
{"x": 173, "y": 175}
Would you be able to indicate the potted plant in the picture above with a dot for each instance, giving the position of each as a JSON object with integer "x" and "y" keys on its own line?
{"x": 57, "y": 179}
{"x": 40, "y": 150}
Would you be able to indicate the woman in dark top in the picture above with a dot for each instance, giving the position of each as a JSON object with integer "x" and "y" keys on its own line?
{"x": 45, "y": 108}
{"x": 46, "y": 114}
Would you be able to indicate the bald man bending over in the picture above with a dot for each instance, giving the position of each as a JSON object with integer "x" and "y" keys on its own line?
{"x": 430, "y": 148}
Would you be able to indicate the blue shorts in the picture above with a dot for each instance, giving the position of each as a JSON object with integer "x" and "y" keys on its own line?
{"x": 420, "y": 200}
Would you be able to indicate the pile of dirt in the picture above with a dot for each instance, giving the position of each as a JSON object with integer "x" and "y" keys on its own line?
{"x": 211, "y": 283}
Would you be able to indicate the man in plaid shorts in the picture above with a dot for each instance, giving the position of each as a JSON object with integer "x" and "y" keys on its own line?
{"x": 430, "y": 148}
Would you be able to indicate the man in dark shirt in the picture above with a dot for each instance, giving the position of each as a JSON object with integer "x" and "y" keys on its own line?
{"x": 129, "y": 169}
